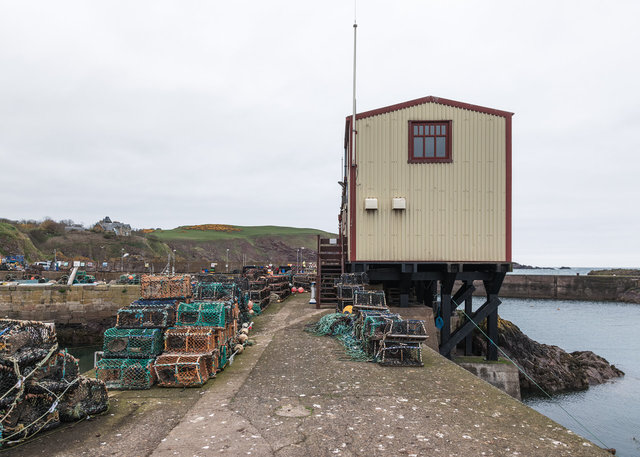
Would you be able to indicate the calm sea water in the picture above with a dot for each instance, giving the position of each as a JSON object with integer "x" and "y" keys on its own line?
{"x": 611, "y": 411}
{"x": 555, "y": 271}
{"x": 84, "y": 354}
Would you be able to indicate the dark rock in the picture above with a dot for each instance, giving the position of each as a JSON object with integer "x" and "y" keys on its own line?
{"x": 551, "y": 367}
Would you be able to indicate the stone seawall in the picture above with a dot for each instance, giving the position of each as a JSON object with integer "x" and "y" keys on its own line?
{"x": 81, "y": 313}
{"x": 65, "y": 305}
{"x": 589, "y": 288}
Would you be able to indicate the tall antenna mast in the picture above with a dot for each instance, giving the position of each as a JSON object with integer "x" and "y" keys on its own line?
{"x": 353, "y": 118}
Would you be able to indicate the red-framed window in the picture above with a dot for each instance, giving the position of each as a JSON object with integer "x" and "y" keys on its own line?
{"x": 429, "y": 141}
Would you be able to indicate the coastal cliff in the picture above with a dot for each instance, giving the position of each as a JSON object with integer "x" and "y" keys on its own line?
{"x": 554, "y": 369}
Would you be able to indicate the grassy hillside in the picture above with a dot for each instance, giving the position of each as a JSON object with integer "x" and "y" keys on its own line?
{"x": 235, "y": 232}
{"x": 13, "y": 241}
{"x": 261, "y": 244}
{"x": 210, "y": 242}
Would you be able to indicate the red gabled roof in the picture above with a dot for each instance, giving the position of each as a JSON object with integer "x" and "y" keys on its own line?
{"x": 432, "y": 99}
{"x": 421, "y": 101}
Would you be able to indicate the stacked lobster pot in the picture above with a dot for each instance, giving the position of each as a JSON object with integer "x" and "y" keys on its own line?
{"x": 387, "y": 337}
{"x": 280, "y": 286}
{"x": 39, "y": 384}
{"x": 346, "y": 286}
{"x": 199, "y": 345}
{"x": 401, "y": 343}
{"x": 303, "y": 280}
{"x": 131, "y": 347}
{"x": 259, "y": 293}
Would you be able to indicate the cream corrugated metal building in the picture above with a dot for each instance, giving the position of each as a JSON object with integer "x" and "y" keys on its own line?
{"x": 429, "y": 181}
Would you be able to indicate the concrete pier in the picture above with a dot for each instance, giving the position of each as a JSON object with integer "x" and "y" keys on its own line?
{"x": 296, "y": 394}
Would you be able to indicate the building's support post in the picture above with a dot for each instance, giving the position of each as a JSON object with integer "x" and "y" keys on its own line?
{"x": 432, "y": 293}
{"x": 492, "y": 288}
{"x": 481, "y": 314}
{"x": 446, "y": 287}
{"x": 468, "y": 309}
{"x": 405, "y": 286}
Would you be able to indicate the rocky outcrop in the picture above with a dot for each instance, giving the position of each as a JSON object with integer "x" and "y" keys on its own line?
{"x": 551, "y": 367}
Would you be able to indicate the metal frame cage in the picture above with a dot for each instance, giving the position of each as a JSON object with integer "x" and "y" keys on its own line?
{"x": 192, "y": 339}
{"x": 163, "y": 287}
{"x": 204, "y": 314}
{"x": 132, "y": 343}
{"x": 126, "y": 374}
{"x": 151, "y": 317}
{"x": 183, "y": 370}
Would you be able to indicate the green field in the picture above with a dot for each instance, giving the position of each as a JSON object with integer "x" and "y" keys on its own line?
{"x": 245, "y": 232}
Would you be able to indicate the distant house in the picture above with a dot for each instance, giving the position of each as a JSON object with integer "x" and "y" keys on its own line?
{"x": 116, "y": 227}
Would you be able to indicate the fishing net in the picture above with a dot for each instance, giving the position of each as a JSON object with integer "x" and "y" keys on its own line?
{"x": 395, "y": 353}
{"x": 257, "y": 310}
{"x": 150, "y": 317}
{"x": 157, "y": 287}
{"x": 126, "y": 373}
{"x": 340, "y": 326}
{"x": 192, "y": 339}
{"x": 183, "y": 370}
{"x": 132, "y": 343}
{"x": 203, "y": 314}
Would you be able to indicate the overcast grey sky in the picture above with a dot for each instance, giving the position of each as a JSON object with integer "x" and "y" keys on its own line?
{"x": 162, "y": 113}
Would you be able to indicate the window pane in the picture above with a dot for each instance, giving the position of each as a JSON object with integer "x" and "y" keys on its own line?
{"x": 415, "y": 129}
{"x": 428, "y": 147}
{"x": 441, "y": 150}
{"x": 437, "y": 130}
{"x": 422, "y": 130}
{"x": 418, "y": 147}
{"x": 444, "y": 129}
{"x": 432, "y": 131}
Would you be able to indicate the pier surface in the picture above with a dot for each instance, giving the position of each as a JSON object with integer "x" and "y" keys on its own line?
{"x": 296, "y": 394}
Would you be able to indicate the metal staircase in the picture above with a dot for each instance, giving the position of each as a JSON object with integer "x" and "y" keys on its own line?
{"x": 329, "y": 269}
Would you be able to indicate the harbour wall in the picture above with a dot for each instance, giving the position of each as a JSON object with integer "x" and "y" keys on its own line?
{"x": 81, "y": 313}
{"x": 63, "y": 304}
{"x": 588, "y": 288}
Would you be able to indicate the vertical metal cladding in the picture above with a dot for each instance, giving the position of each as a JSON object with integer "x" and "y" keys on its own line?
{"x": 455, "y": 211}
